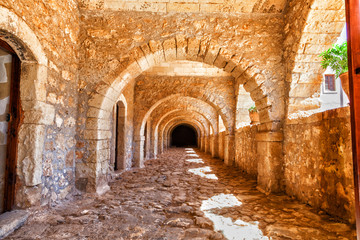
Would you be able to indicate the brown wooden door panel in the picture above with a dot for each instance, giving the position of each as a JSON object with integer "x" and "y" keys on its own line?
{"x": 12, "y": 134}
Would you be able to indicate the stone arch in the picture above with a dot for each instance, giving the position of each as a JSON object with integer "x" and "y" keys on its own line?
{"x": 36, "y": 112}
{"x": 152, "y": 53}
{"x": 140, "y": 131}
{"x": 176, "y": 121}
{"x": 172, "y": 128}
{"x": 155, "y": 134}
{"x": 202, "y": 124}
{"x": 317, "y": 31}
{"x": 203, "y": 121}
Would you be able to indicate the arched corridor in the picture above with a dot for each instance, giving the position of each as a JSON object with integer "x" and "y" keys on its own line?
{"x": 184, "y": 194}
{"x": 172, "y": 119}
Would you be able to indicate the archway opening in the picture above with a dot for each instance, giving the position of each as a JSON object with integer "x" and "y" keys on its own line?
{"x": 119, "y": 163}
{"x": 184, "y": 136}
{"x": 9, "y": 123}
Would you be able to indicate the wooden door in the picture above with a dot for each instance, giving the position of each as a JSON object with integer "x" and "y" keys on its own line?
{"x": 9, "y": 122}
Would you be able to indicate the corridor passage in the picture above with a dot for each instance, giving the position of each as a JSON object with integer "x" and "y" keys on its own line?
{"x": 184, "y": 194}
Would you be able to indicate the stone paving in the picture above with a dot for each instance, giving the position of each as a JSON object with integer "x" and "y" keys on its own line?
{"x": 184, "y": 194}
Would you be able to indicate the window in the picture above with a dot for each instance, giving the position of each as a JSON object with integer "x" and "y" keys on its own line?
{"x": 330, "y": 82}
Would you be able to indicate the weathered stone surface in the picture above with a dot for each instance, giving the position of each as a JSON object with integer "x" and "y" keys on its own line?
{"x": 10, "y": 221}
{"x": 319, "y": 170}
{"x": 139, "y": 206}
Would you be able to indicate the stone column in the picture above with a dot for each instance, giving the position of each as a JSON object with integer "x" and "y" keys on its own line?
{"x": 229, "y": 151}
{"x": 148, "y": 140}
{"x": 154, "y": 141}
{"x": 202, "y": 145}
{"x": 215, "y": 152}
{"x": 139, "y": 151}
{"x": 161, "y": 144}
{"x": 215, "y": 140}
{"x": 270, "y": 152}
{"x": 207, "y": 145}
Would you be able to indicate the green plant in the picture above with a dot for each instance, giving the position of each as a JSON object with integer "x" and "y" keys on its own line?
{"x": 252, "y": 109}
{"x": 336, "y": 58}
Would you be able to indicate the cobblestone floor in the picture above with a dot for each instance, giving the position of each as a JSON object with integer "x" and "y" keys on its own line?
{"x": 184, "y": 194}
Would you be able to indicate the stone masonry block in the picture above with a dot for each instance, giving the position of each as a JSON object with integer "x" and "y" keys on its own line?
{"x": 169, "y": 46}
{"x": 181, "y": 45}
{"x": 139, "y": 56}
{"x": 232, "y": 63}
{"x": 212, "y": 52}
{"x": 193, "y": 48}
{"x": 148, "y": 54}
{"x": 223, "y": 57}
{"x": 30, "y": 155}
{"x": 157, "y": 48}
{"x": 202, "y": 49}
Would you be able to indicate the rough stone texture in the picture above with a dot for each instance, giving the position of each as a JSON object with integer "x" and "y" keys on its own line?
{"x": 312, "y": 26}
{"x": 10, "y": 221}
{"x": 49, "y": 48}
{"x": 79, "y": 58}
{"x": 318, "y": 162}
{"x": 246, "y": 157}
{"x": 184, "y": 194}
{"x": 202, "y": 6}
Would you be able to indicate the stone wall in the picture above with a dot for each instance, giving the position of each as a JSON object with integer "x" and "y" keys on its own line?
{"x": 54, "y": 137}
{"x": 318, "y": 162}
{"x": 246, "y": 157}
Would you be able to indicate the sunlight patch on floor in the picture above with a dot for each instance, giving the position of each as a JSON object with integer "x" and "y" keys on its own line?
{"x": 195, "y": 160}
{"x": 192, "y": 155}
{"x": 202, "y": 172}
{"x": 231, "y": 229}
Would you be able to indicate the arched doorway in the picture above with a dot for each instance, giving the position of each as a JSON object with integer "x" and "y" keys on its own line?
{"x": 9, "y": 123}
{"x": 184, "y": 135}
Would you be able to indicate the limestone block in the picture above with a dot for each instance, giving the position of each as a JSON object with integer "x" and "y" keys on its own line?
{"x": 38, "y": 112}
{"x": 223, "y": 57}
{"x": 101, "y": 124}
{"x": 202, "y": 49}
{"x": 250, "y": 85}
{"x": 33, "y": 79}
{"x": 210, "y": 8}
{"x": 98, "y": 113}
{"x": 148, "y": 54}
{"x": 193, "y": 48}
{"x": 140, "y": 58}
{"x": 183, "y": 7}
{"x": 212, "y": 52}
{"x": 237, "y": 71}
{"x": 303, "y": 90}
{"x": 181, "y": 45}
{"x": 258, "y": 93}
{"x": 232, "y": 63}
{"x": 30, "y": 153}
{"x": 99, "y": 156}
{"x": 262, "y": 103}
{"x": 97, "y": 101}
{"x": 169, "y": 46}
{"x": 97, "y": 134}
{"x": 157, "y": 48}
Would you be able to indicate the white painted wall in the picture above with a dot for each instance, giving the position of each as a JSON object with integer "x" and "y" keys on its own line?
{"x": 333, "y": 100}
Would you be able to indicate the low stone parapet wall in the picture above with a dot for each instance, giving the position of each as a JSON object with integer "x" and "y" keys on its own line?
{"x": 318, "y": 166}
